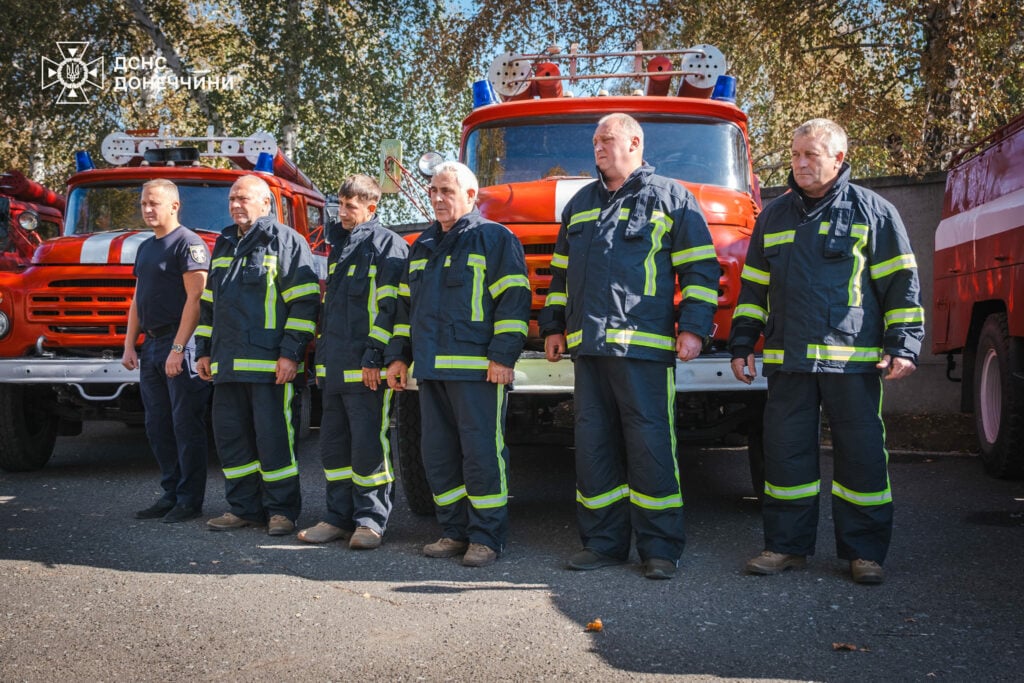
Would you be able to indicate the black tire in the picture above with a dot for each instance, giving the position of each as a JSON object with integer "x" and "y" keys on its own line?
{"x": 999, "y": 399}
{"x": 27, "y": 431}
{"x": 410, "y": 459}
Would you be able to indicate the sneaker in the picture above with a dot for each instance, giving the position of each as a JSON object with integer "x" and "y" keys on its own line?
{"x": 156, "y": 510}
{"x": 324, "y": 532}
{"x": 181, "y": 513}
{"x": 769, "y": 562}
{"x": 866, "y": 571}
{"x": 228, "y": 521}
{"x": 279, "y": 525}
{"x": 587, "y": 560}
{"x": 658, "y": 568}
{"x": 479, "y": 555}
{"x": 364, "y": 538}
{"x": 445, "y": 547}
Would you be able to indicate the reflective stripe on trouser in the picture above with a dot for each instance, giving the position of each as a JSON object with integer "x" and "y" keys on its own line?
{"x": 625, "y": 443}
{"x": 252, "y": 425}
{"x": 466, "y": 459}
{"x": 852, "y": 403}
{"x": 175, "y": 421}
{"x": 356, "y": 456}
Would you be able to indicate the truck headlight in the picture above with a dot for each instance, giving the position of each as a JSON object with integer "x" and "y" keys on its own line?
{"x": 28, "y": 220}
{"x": 5, "y": 324}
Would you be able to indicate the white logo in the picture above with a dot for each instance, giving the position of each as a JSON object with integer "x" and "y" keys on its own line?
{"x": 73, "y": 73}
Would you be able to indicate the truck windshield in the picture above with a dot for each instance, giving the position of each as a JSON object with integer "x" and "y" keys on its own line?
{"x": 105, "y": 208}
{"x": 697, "y": 150}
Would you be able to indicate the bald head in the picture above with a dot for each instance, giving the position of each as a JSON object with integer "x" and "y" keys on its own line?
{"x": 250, "y": 199}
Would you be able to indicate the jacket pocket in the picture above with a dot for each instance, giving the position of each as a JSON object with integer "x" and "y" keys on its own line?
{"x": 473, "y": 332}
{"x": 265, "y": 339}
{"x": 846, "y": 319}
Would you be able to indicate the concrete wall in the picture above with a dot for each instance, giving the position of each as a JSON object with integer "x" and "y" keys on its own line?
{"x": 919, "y": 201}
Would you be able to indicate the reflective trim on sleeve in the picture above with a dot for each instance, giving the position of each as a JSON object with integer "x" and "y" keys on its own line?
{"x": 401, "y": 330}
{"x": 387, "y": 292}
{"x": 751, "y": 311}
{"x": 357, "y": 375}
{"x": 775, "y": 239}
{"x": 207, "y": 296}
{"x": 591, "y": 215}
{"x": 792, "y": 492}
{"x": 321, "y": 370}
{"x": 292, "y": 293}
{"x": 772, "y": 356}
{"x": 862, "y": 354}
{"x": 380, "y": 334}
{"x": 213, "y": 367}
{"x": 559, "y": 260}
{"x": 417, "y": 264}
{"x": 886, "y": 268}
{"x": 556, "y": 299}
{"x": 701, "y": 294}
{"x": 204, "y": 331}
{"x": 503, "y": 326}
{"x": 904, "y": 315}
{"x": 506, "y": 282}
{"x": 452, "y": 496}
{"x": 638, "y": 338}
{"x": 403, "y": 290}
{"x": 702, "y": 253}
{"x": 603, "y": 500}
{"x": 859, "y": 498}
{"x": 300, "y": 325}
{"x": 574, "y": 338}
{"x": 752, "y": 274}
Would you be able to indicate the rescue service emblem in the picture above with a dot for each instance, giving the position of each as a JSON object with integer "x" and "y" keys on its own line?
{"x": 197, "y": 252}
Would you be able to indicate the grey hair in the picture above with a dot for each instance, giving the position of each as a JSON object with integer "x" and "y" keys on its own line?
{"x": 262, "y": 189}
{"x": 827, "y": 131}
{"x": 463, "y": 176}
{"x": 629, "y": 125}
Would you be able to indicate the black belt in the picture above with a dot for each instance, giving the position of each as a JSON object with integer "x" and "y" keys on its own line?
{"x": 157, "y": 332}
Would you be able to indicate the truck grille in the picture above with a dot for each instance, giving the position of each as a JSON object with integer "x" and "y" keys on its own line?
{"x": 93, "y": 307}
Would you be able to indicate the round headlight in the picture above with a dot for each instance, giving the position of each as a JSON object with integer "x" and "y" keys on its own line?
{"x": 28, "y": 220}
{"x": 428, "y": 162}
{"x": 5, "y": 324}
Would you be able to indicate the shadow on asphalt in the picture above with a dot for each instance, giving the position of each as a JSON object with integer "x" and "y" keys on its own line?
{"x": 712, "y": 620}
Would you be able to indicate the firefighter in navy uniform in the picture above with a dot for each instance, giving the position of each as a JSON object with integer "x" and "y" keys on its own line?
{"x": 364, "y": 270}
{"x": 464, "y": 303}
{"x": 624, "y": 241}
{"x": 258, "y": 314}
{"x": 831, "y": 282}
{"x": 170, "y": 272}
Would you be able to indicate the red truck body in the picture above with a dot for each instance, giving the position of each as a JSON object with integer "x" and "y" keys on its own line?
{"x": 29, "y": 215}
{"x": 979, "y": 290}
{"x": 532, "y": 151}
{"x": 66, "y": 311}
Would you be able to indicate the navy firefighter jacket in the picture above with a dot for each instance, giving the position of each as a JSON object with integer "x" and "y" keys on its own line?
{"x": 361, "y": 297}
{"x": 615, "y": 267}
{"x": 832, "y": 287}
{"x": 464, "y": 300}
{"x": 260, "y": 302}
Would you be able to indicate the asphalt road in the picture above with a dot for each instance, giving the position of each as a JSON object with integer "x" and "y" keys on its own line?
{"x": 87, "y": 593}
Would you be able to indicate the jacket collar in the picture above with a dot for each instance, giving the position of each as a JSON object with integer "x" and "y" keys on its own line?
{"x": 838, "y": 188}
{"x": 434, "y": 235}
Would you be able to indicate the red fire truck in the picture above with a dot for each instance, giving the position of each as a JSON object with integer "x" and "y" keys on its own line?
{"x": 29, "y": 215}
{"x": 63, "y": 317}
{"x": 979, "y": 291}
{"x": 531, "y": 149}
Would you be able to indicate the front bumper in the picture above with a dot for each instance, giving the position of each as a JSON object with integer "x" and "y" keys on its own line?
{"x": 65, "y": 371}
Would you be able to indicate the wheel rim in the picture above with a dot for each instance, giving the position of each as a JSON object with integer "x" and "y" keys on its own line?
{"x": 990, "y": 396}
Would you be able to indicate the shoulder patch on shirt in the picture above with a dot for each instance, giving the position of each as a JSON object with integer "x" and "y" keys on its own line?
{"x": 197, "y": 252}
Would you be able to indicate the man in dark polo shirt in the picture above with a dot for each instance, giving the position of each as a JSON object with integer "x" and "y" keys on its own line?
{"x": 170, "y": 272}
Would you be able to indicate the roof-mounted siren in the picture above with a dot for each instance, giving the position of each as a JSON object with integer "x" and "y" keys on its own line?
{"x": 509, "y": 75}
{"x": 658, "y": 82}
{"x": 701, "y": 68}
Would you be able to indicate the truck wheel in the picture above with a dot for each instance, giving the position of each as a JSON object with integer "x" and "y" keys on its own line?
{"x": 999, "y": 400}
{"x": 410, "y": 459}
{"x": 27, "y": 431}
